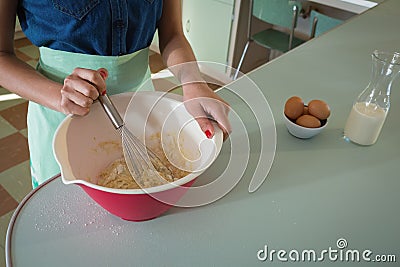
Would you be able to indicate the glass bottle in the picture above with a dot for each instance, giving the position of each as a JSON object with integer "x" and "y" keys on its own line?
{"x": 369, "y": 111}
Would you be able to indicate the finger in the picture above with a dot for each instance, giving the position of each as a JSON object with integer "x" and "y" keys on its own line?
{"x": 79, "y": 91}
{"x": 103, "y": 72}
{"x": 69, "y": 107}
{"x": 219, "y": 110}
{"x": 76, "y": 83}
{"x": 93, "y": 77}
{"x": 194, "y": 107}
{"x": 206, "y": 126}
{"x": 76, "y": 97}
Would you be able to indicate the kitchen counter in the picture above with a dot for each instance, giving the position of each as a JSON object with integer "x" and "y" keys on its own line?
{"x": 322, "y": 195}
{"x": 353, "y": 6}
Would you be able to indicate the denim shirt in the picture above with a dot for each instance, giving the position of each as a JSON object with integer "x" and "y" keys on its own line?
{"x": 96, "y": 27}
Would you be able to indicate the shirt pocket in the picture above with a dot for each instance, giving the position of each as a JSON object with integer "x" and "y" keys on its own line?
{"x": 76, "y": 9}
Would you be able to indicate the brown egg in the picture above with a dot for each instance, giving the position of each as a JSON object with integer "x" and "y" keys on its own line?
{"x": 305, "y": 111}
{"x": 319, "y": 109}
{"x": 308, "y": 121}
{"x": 294, "y": 107}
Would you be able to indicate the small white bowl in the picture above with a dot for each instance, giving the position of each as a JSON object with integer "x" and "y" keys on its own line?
{"x": 303, "y": 132}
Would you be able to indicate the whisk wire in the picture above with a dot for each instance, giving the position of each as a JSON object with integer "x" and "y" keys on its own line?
{"x": 137, "y": 156}
{"x": 137, "y": 149}
{"x": 130, "y": 154}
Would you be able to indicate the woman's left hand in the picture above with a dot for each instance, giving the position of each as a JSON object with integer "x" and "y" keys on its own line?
{"x": 206, "y": 106}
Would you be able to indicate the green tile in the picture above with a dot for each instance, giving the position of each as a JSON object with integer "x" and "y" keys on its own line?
{"x": 9, "y": 103}
{"x": 30, "y": 50}
{"x": 24, "y": 132}
{"x": 4, "y": 221}
{"x": 17, "y": 180}
{"x": 6, "y": 128}
{"x": 3, "y": 91}
{"x": 4, "y": 104}
{"x": 32, "y": 63}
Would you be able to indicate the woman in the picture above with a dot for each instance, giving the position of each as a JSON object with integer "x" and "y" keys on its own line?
{"x": 83, "y": 42}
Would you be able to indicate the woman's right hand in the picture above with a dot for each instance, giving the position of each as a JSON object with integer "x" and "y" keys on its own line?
{"x": 80, "y": 89}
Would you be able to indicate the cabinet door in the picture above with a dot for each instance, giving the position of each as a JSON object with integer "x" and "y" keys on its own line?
{"x": 207, "y": 26}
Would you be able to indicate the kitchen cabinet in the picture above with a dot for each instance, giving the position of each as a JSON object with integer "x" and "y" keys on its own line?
{"x": 208, "y": 27}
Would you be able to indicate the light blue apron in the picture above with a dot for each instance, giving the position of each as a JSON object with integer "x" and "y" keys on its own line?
{"x": 125, "y": 73}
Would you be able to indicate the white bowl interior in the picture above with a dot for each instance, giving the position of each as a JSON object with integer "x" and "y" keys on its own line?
{"x": 84, "y": 146}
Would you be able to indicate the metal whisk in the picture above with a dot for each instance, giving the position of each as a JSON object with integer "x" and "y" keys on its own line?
{"x": 137, "y": 156}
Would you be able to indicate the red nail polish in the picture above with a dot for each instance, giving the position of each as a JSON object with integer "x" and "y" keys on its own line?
{"x": 208, "y": 134}
{"x": 104, "y": 92}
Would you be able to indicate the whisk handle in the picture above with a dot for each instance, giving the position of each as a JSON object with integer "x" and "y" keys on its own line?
{"x": 111, "y": 111}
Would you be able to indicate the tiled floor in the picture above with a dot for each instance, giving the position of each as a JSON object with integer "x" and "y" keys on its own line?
{"x": 15, "y": 181}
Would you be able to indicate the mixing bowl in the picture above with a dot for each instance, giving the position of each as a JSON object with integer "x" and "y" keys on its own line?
{"x": 84, "y": 146}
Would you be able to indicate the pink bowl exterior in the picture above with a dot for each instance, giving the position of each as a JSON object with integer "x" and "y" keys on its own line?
{"x": 137, "y": 207}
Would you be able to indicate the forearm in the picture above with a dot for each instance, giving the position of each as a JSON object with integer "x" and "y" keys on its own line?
{"x": 179, "y": 58}
{"x": 17, "y": 76}
{"x": 201, "y": 102}
{"x": 21, "y": 79}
